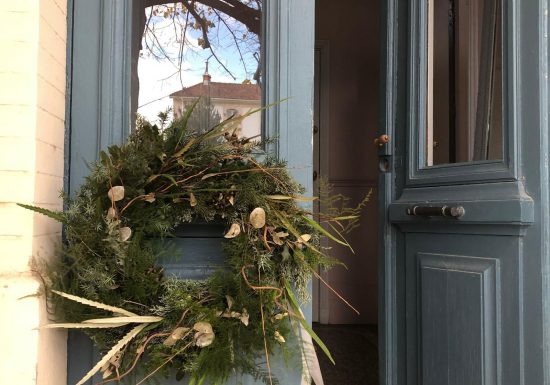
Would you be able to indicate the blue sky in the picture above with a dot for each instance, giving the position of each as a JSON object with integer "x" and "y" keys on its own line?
{"x": 159, "y": 69}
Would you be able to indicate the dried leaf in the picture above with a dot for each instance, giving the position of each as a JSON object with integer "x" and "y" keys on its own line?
{"x": 229, "y": 301}
{"x": 280, "y": 316}
{"x": 116, "y": 193}
{"x": 294, "y": 304}
{"x": 192, "y": 200}
{"x": 278, "y": 237}
{"x": 288, "y": 197}
{"x": 133, "y": 319}
{"x": 322, "y": 230}
{"x": 279, "y": 338}
{"x": 176, "y": 335}
{"x": 83, "y": 326}
{"x": 285, "y": 253}
{"x": 106, "y": 373}
{"x": 257, "y": 217}
{"x": 244, "y": 317}
{"x": 114, "y": 350}
{"x": 304, "y": 238}
{"x": 231, "y": 200}
{"x": 310, "y": 361}
{"x": 98, "y": 305}
{"x": 149, "y": 197}
{"x": 234, "y": 230}
{"x": 125, "y": 233}
{"x": 115, "y": 360}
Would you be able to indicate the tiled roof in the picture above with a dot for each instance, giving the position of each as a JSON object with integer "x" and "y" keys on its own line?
{"x": 221, "y": 91}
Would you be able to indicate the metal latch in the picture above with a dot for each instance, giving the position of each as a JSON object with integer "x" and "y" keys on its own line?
{"x": 437, "y": 211}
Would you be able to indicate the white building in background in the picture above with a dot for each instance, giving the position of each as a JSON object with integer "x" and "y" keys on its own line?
{"x": 228, "y": 99}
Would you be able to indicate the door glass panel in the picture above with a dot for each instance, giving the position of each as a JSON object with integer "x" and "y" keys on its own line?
{"x": 464, "y": 90}
{"x": 205, "y": 50}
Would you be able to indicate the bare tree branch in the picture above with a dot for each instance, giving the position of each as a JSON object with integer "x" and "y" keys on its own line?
{"x": 190, "y": 5}
{"x": 249, "y": 16}
{"x": 234, "y": 39}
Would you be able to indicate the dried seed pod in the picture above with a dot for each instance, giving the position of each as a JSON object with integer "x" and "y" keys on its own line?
{"x": 111, "y": 213}
{"x": 203, "y": 327}
{"x": 125, "y": 233}
{"x": 257, "y": 217}
{"x": 204, "y": 335}
{"x": 234, "y": 230}
{"x": 116, "y": 193}
{"x": 202, "y": 340}
{"x": 192, "y": 200}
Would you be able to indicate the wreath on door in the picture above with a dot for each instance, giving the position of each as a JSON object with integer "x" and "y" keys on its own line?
{"x": 108, "y": 281}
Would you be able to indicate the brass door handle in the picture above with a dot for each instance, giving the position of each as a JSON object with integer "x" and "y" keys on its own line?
{"x": 381, "y": 140}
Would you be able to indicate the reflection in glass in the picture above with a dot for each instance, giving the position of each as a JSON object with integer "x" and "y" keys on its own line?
{"x": 207, "y": 50}
{"x": 464, "y": 103}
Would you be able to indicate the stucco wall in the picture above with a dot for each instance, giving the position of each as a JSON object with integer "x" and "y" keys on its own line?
{"x": 32, "y": 109}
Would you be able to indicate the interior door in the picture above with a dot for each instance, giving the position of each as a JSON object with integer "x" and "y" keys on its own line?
{"x": 464, "y": 194}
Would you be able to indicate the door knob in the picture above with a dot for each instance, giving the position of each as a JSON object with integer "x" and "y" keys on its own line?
{"x": 381, "y": 140}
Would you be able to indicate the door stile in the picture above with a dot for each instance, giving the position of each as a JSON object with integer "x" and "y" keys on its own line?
{"x": 390, "y": 322}
{"x": 544, "y": 47}
{"x": 533, "y": 114}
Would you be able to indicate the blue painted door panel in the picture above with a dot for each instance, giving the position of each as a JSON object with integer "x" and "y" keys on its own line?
{"x": 465, "y": 301}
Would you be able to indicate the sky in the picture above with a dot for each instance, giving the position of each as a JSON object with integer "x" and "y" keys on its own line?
{"x": 159, "y": 68}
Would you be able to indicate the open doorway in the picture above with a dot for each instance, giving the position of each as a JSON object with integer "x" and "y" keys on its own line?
{"x": 347, "y": 70}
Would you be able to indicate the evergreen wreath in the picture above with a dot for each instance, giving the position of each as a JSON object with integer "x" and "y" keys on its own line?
{"x": 109, "y": 283}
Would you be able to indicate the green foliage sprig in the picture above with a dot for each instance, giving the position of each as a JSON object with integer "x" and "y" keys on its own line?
{"x": 234, "y": 320}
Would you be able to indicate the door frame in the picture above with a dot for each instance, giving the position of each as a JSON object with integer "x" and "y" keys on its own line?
{"x": 321, "y": 149}
{"x": 391, "y": 100}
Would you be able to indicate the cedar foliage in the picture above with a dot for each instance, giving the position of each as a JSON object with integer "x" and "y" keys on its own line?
{"x": 179, "y": 175}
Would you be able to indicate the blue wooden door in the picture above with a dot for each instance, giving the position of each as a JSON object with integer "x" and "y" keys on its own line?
{"x": 102, "y": 107}
{"x": 464, "y": 192}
